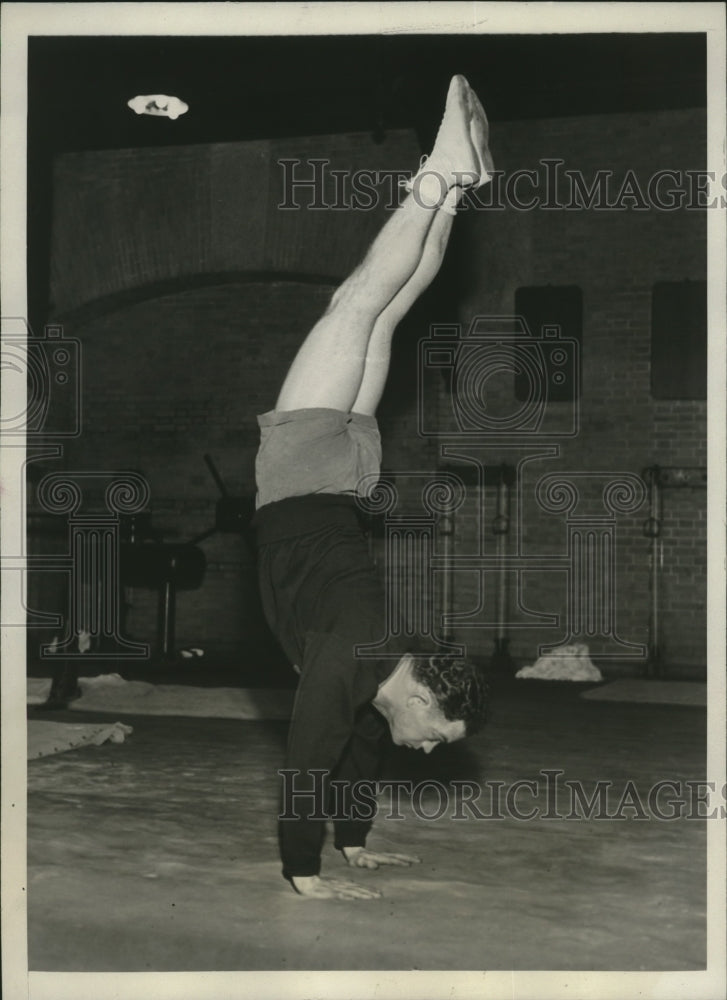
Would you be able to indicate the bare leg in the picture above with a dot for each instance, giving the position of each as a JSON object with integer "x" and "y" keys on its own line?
{"x": 378, "y": 357}
{"x": 329, "y": 369}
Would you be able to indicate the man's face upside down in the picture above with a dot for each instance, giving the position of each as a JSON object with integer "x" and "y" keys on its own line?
{"x": 422, "y": 726}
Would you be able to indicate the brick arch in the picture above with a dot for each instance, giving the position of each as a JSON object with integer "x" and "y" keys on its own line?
{"x": 124, "y": 218}
{"x": 105, "y": 305}
{"x": 168, "y": 378}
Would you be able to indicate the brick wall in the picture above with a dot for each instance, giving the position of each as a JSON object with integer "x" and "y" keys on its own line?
{"x": 190, "y": 291}
{"x": 168, "y": 380}
{"x": 126, "y": 219}
{"x": 171, "y": 376}
{"x": 615, "y": 257}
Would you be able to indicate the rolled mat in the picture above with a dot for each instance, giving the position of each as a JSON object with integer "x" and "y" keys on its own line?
{"x": 111, "y": 693}
{"x": 47, "y": 738}
{"x": 651, "y": 692}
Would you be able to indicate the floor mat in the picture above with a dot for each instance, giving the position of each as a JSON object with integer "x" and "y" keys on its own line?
{"x": 111, "y": 693}
{"x": 651, "y": 692}
{"x": 161, "y": 855}
{"x": 47, "y": 738}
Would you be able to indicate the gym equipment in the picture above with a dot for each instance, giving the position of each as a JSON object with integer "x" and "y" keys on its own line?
{"x": 418, "y": 551}
{"x": 232, "y": 514}
{"x": 501, "y": 659}
{"x": 658, "y": 479}
{"x": 408, "y": 536}
{"x": 167, "y": 567}
{"x": 164, "y": 567}
{"x": 501, "y": 478}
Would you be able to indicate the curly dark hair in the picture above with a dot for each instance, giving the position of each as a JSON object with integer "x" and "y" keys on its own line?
{"x": 458, "y": 686}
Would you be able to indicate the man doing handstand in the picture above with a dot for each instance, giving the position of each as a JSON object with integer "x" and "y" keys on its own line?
{"x": 320, "y": 591}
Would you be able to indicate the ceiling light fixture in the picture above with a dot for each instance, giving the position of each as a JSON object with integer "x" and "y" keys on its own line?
{"x": 160, "y": 105}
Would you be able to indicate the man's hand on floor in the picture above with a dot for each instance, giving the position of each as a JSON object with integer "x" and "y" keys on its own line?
{"x": 360, "y": 857}
{"x": 315, "y": 887}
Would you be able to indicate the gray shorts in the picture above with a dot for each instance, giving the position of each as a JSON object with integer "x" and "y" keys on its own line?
{"x": 316, "y": 451}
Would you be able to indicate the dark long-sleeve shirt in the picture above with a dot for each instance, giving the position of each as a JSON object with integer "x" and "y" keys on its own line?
{"x": 323, "y": 600}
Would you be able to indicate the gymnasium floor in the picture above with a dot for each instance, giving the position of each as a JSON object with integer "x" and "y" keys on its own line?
{"x": 160, "y": 853}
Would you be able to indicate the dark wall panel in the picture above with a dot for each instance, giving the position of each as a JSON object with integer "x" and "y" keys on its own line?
{"x": 679, "y": 340}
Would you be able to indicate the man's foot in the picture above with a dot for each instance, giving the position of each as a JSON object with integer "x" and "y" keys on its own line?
{"x": 460, "y": 156}
{"x": 480, "y": 135}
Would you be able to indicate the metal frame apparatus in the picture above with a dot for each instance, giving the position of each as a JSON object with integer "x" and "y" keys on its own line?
{"x": 658, "y": 479}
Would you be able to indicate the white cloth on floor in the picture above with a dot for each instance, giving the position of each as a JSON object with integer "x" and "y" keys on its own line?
{"x": 564, "y": 663}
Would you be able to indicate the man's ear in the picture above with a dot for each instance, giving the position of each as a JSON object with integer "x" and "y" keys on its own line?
{"x": 421, "y": 696}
